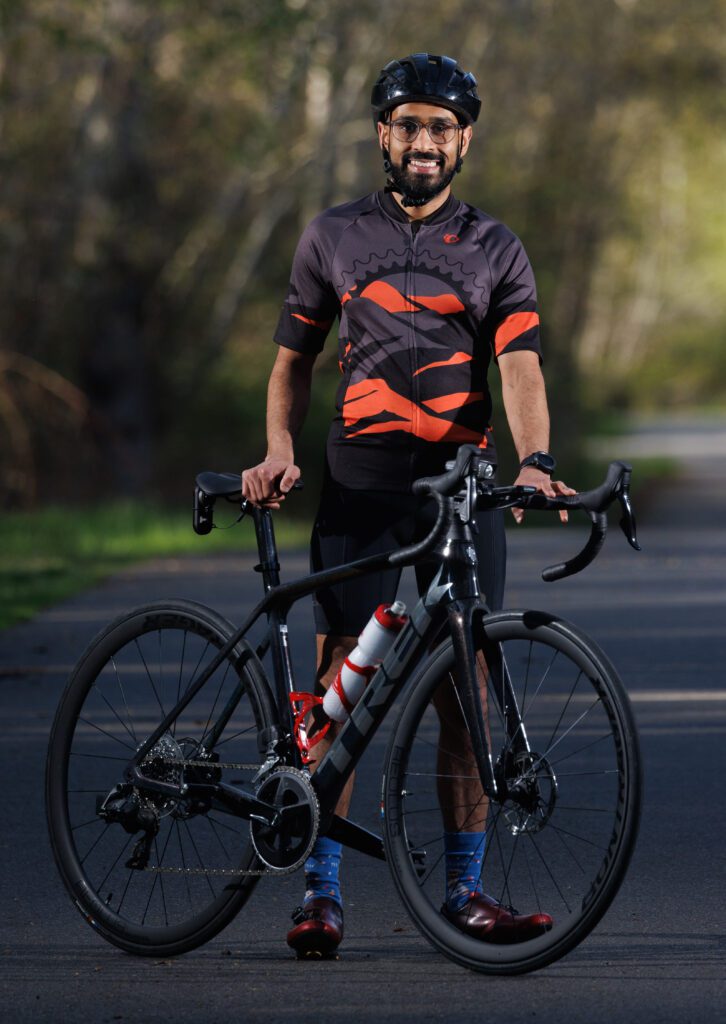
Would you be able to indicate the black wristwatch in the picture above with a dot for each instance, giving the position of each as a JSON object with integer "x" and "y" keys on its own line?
{"x": 540, "y": 460}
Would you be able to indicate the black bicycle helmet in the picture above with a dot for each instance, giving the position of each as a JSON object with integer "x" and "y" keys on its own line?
{"x": 424, "y": 78}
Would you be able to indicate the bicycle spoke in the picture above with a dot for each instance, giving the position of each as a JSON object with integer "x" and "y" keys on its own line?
{"x": 124, "y": 848}
{"x": 95, "y": 843}
{"x": 201, "y": 862}
{"x": 560, "y": 836}
{"x": 548, "y": 744}
{"x": 223, "y": 824}
{"x": 181, "y": 673}
{"x": 101, "y": 757}
{"x": 106, "y": 733}
{"x": 123, "y": 697}
{"x": 84, "y": 824}
{"x": 193, "y": 679}
{"x": 126, "y": 889}
{"x": 587, "y": 746}
{"x": 214, "y": 706}
{"x": 549, "y": 872}
{"x": 564, "y": 736}
{"x": 218, "y": 838}
{"x": 235, "y": 735}
{"x": 150, "y": 678}
{"x": 114, "y": 713}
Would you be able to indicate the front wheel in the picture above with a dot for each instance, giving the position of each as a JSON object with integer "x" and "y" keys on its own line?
{"x": 566, "y": 759}
{"x": 152, "y": 874}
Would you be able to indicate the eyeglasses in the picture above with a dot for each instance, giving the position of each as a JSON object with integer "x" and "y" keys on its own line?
{"x": 407, "y": 129}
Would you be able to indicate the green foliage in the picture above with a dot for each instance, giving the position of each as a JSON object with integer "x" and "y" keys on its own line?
{"x": 160, "y": 160}
{"x": 50, "y": 554}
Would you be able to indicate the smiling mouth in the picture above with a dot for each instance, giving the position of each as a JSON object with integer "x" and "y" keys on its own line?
{"x": 423, "y": 166}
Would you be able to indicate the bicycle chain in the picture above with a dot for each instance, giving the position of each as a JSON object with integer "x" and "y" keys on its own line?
{"x": 237, "y": 872}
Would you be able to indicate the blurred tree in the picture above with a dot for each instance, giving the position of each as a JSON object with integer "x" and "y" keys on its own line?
{"x": 159, "y": 162}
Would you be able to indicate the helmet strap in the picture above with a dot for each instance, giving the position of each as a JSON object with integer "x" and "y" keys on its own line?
{"x": 459, "y": 159}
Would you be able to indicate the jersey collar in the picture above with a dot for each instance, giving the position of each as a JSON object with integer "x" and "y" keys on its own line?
{"x": 394, "y": 211}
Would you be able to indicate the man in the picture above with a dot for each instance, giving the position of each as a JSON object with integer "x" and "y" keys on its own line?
{"x": 428, "y": 290}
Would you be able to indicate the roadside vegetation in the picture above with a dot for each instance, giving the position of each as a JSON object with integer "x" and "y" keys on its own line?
{"x": 50, "y": 554}
{"x": 160, "y": 162}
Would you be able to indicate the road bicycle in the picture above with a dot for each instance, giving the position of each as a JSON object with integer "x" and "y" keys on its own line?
{"x": 177, "y": 769}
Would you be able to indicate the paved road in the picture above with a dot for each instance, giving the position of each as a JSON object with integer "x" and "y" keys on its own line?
{"x": 659, "y": 954}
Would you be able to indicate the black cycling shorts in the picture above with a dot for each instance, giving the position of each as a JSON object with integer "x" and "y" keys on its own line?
{"x": 353, "y": 524}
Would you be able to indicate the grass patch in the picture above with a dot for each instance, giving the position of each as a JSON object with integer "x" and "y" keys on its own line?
{"x": 50, "y": 554}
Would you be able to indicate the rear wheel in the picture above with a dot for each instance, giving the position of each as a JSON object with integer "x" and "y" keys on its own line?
{"x": 559, "y": 840}
{"x": 154, "y": 875}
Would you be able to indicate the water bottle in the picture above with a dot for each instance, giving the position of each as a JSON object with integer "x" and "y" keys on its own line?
{"x": 374, "y": 644}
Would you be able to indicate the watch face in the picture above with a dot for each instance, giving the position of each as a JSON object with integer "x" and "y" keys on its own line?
{"x": 546, "y": 462}
{"x": 542, "y": 460}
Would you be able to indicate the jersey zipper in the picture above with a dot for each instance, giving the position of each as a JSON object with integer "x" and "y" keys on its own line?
{"x": 411, "y": 290}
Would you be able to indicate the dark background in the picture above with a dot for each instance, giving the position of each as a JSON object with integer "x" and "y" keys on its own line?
{"x": 159, "y": 161}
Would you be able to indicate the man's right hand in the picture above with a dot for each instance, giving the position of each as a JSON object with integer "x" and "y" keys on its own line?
{"x": 267, "y": 484}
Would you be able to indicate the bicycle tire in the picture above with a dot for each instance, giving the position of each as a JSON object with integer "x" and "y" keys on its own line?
{"x": 130, "y": 675}
{"x": 567, "y": 855}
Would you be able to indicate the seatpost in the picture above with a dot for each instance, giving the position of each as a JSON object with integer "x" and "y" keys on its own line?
{"x": 268, "y": 565}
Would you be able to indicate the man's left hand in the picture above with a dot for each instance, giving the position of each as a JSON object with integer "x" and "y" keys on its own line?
{"x": 530, "y": 476}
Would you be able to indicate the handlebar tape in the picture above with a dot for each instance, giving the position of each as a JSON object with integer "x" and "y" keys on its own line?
{"x": 445, "y": 515}
{"x": 583, "y": 558}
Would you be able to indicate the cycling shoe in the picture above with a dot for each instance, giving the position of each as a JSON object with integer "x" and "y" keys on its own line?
{"x": 318, "y": 928}
{"x": 486, "y": 919}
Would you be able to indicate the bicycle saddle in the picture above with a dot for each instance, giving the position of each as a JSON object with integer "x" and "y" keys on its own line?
{"x": 219, "y": 485}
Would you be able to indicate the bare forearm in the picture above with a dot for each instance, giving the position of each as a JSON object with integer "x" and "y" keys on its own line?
{"x": 288, "y": 399}
{"x": 525, "y": 403}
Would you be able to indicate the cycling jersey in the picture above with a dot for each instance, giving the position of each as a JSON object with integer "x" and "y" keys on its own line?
{"x": 424, "y": 307}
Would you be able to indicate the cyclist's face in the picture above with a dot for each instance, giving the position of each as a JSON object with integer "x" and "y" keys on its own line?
{"x": 422, "y": 163}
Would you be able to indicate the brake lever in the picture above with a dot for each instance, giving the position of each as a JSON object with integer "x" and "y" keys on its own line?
{"x": 627, "y": 521}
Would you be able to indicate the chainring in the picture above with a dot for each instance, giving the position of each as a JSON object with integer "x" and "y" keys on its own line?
{"x": 286, "y": 845}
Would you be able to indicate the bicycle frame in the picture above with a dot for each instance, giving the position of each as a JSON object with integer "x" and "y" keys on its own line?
{"x": 452, "y": 599}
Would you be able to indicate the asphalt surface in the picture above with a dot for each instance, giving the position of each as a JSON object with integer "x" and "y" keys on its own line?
{"x": 658, "y": 955}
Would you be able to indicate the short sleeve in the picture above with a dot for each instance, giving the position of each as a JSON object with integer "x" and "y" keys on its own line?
{"x": 311, "y": 304}
{"x": 513, "y": 319}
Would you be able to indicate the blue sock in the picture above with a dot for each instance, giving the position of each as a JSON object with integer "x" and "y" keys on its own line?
{"x": 321, "y": 870}
{"x": 464, "y": 853}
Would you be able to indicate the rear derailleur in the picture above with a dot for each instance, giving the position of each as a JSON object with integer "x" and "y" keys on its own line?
{"x": 124, "y": 806}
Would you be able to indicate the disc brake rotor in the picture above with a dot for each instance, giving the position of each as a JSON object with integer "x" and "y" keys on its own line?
{"x": 532, "y": 793}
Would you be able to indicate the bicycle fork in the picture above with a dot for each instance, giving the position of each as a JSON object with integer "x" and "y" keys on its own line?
{"x": 468, "y": 636}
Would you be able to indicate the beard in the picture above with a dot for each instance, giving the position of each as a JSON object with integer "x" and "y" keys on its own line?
{"x": 420, "y": 188}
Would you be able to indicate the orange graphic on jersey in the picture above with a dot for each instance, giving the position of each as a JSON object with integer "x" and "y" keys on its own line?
{"x": 374, "y": 397}
{"x": 387, "y": 297}
{"x": 445, "y": 403}
{"x": 512, "y": 327}
{"x": 390, "y": 299}
{"x": 458, "y": 357}
{"x": 322, "y": 324}
{"x": 345, "y": 356}
{"x": 440, "y": 303}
